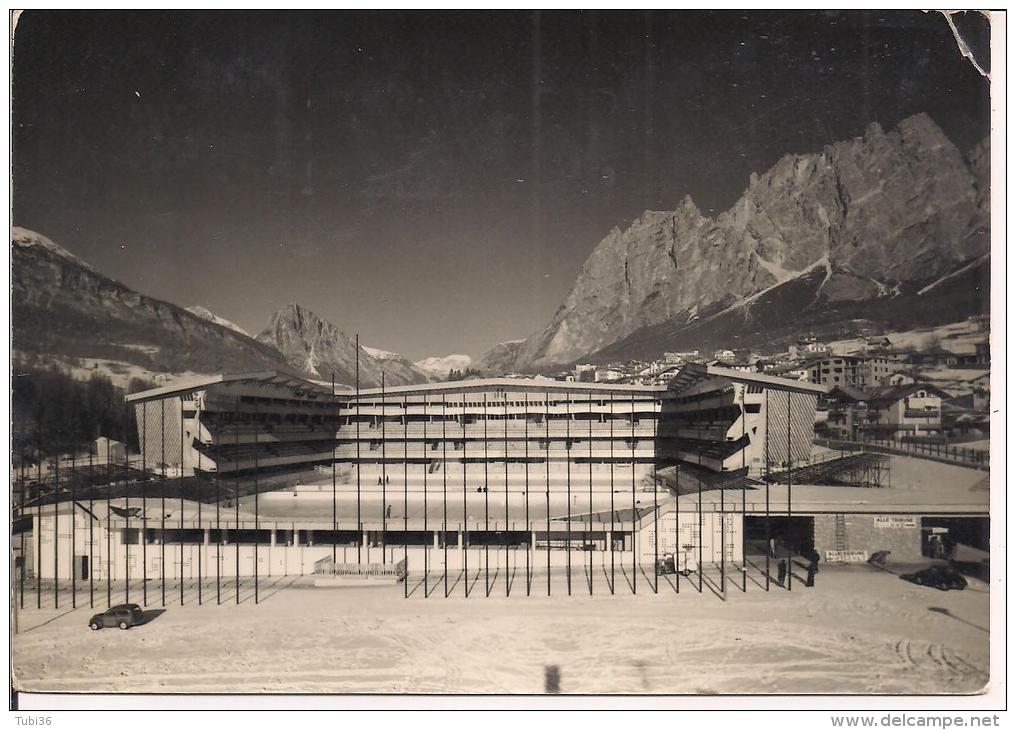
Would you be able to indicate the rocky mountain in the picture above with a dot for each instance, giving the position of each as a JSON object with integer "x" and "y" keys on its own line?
{"x": 501, "y": 358}
{"x": 439, "y": 367}
{"x": 865, "y": 220}
{"x": 317, "y": 349}
{"x": 63, "y": 308}
{"x": 776, "y": 317}
{"x": 221, "y": 321}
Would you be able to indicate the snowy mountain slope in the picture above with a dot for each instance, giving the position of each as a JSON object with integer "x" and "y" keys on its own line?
{"x": 319, "y": 350}
{"x": 207, "y": 314}
{"x": 439, "y": 367}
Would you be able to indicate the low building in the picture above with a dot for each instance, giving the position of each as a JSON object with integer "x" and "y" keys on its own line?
{"x": 906, "y": 410}
{"x": 585, "y": 373}
{"x": 806, "y": 348}
{"x": 109, "y": 451}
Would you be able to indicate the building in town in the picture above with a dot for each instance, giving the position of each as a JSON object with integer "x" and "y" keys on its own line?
{"x": 914, "y": 409}
{"x": 854, "y": 371}
{"x": 279, "y": 476}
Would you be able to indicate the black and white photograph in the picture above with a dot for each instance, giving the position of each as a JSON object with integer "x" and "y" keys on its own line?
{"x": 520, "y": 353}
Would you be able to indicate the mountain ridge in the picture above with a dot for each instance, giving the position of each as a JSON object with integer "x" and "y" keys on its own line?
{"x": 884, "y": 209}
{"x": 63, "y": 307}
{"x": 318, "y": 349}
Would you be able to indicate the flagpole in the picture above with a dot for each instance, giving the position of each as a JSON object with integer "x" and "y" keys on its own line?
{"x": 634, "y": 511}
{"x": 359, "y": 521}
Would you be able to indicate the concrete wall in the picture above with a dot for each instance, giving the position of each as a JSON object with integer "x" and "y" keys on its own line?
{"x": 115, "y": 559}
{"x": 899, "y": 534}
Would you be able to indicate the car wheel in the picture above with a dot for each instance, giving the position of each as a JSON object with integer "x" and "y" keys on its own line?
{"x": 94, "y": 626}
{"x": 123, "y": 625}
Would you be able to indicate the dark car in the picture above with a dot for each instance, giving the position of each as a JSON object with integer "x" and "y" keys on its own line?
{"x": 943, "y": 578}
{"x": 125, "y": 615}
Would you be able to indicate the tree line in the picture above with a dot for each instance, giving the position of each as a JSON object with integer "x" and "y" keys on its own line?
{"x": 54, "y": 413}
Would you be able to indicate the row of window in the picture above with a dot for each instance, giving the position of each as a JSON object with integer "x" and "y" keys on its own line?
{"x": 491, "y": 403}
{"x": 541, "y": 444}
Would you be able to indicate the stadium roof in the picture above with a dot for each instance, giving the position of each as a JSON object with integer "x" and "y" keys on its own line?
{"x": 694, "y": 373}
{"x": 539, "y": 385}
{"x": 200, "y": 382}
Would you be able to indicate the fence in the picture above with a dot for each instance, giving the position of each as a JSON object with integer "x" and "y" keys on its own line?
{"x": 941, "y": 452}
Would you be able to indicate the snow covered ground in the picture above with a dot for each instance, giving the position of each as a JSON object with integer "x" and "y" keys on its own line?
{"x": 860, "y": 630}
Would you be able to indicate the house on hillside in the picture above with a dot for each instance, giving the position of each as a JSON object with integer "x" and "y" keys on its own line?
{"x": 895, "y": 411}
{"x": 853, "y": 346}
{"x": 847, "y": 412}
{"x": 902, "y": 377}
{"x": 935, "y": 357}
{"x": 807, "y": 348}
{"x": 851, "y": 370}
{"x": 877, "y": 344}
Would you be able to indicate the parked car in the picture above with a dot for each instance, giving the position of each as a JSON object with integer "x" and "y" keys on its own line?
{"x": 942, "y": 577}
{"x": 124, "y": 615}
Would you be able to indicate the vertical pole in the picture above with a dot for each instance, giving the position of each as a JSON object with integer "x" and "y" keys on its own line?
{"x": 426, "y": 469}
{"x": 24, "y": 563}
{"x": 567, "y": 465}
{"x": 529, "y": 525}
{"x": 465, "y": 511}
{"x": 109, "y": 529}
{"x": 656, "y": 510}
{"x": 589, "y": 531}
{"x": 74, "y": 526}
{"x": 790, "y": 462}
{"x": 257, "y": 513}
{"x": 634, "y": 513}
{"x": 611, "y": 447}
{"x": 91, "y": 530}
{"x": 144, "y": 505}
{"x": 236, "y": 516}
{"x": 384, "y": 474}
{"x": 162, "y": 493}
{"x": 127, "y": 512}
{"x": 335, "y": 519}
{"x": 507, "y": 584}
{"x": 486, "y": 506}
{"x": 38, "y": 520}
{"x": 546, "y": 424}
{"x": 723, "y": 537}
{"x": 56, "y": 532}
{"x": 405, "y": 494}
{"x": 769, "y": 533}
{"x": 677, "y": 528}
{"x": 701, "y": 539}
{"x": 359, "y": 521}
{"x": 744, "y": 477}
{"x": 219, "y": 428}
{"x": 181, "y": 498}
{"x": 203, "y": 552}
{"x": 444, "y": 487}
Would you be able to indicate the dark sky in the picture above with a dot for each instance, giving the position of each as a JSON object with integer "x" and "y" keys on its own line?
{"x": 433, "y": 181}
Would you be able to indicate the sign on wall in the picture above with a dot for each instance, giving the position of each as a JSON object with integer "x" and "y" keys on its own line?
{"x": 846, "y": 556}
{"x": 894, "y": 521}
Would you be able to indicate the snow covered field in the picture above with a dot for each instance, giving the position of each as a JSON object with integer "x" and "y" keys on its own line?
{"x": 859, "y": 630}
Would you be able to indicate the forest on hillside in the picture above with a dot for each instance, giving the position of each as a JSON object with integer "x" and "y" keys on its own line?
{"x": 55, "y": 414}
